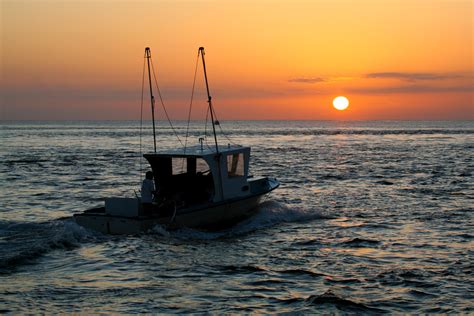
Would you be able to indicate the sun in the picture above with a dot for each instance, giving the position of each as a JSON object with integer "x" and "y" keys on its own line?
{"x": 340, "y": 103}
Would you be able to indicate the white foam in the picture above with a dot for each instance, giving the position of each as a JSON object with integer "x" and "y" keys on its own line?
{"x": 269, "y": 214}
{"x": 272, "y": 213}
{"x": 30, "y": 240}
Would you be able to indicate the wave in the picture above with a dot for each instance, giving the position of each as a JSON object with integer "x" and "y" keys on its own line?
{"x": 22, "y": 242}
{"x": 26, "y": 161}
{"x": 118, "y": 130}
{"x": 340, "y": 303}
{"x": 307, "y": 242}
{"x": 240, "y": 269}
{"x": 376, "y": 132}
{"x": 331, "y": 301}
{"x": 267, "y": 275}
{"x": 302, "y": 272}
{"x": 406, "y": 277}
{"x": 269, "y": 214}
{"x": 360, "y": 242}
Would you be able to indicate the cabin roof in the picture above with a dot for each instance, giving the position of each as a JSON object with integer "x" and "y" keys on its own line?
{"x": 198, "y": 151}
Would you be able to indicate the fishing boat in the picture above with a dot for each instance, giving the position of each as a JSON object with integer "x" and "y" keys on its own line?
{"x": 201, "y": 186}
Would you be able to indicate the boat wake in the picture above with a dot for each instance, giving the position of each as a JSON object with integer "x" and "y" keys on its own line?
{"x": 23, "y": 242}
{"x": 269, "y": 214}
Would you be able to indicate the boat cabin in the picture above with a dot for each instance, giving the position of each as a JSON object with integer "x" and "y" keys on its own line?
{"x": 200, "y": 175}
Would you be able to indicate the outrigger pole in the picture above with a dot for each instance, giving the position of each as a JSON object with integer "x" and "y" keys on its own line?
{"x": 148, "y": 56}
{"x": 201, "y": 50}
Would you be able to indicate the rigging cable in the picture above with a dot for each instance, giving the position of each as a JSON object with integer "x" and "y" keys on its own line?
{"x": 163, "y": 105}
{"x": 141, "y": 120}
{"x": 222, "y": 131}
{"x": 191, "y": 103}
{"x": 207, "y": 113}
{"x": 220, "y": 127}
{"x": 205, "y": 129}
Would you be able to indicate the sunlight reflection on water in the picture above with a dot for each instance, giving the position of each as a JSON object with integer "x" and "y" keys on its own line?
{"x": 370, "y": 217}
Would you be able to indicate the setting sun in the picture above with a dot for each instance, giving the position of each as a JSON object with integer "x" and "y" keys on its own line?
{"x": 340, "y": 103}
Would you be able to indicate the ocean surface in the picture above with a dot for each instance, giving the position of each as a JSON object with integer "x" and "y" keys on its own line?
{"x": 370, "y": 218}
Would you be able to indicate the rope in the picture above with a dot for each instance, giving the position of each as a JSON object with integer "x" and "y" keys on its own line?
{"x": 162, "y": 103}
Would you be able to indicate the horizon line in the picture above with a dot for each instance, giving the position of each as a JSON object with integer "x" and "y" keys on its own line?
{"x": 241, "y": 120}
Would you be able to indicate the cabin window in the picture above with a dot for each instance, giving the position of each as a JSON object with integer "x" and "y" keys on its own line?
{"x": 189, "y": 165}
{"x": 235, "y": 165}
{"x": 179, "y": 165}
{"x": 201, "y": 165}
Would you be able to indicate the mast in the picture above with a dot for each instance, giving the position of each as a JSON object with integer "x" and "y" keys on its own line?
{"x": 201, "y": 50}
{"x": 218, "y": 155}
{"x": 148, "y": 56}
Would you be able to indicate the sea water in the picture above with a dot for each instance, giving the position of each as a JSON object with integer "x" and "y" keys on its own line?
{"x": 370, "y": 217}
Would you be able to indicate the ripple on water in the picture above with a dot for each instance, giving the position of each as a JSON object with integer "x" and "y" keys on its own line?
{"x": 340, "y": 303}
{"x": 370, "y": 218}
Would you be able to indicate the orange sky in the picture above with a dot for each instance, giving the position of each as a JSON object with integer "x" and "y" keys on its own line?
{"x": 393, "y": 59}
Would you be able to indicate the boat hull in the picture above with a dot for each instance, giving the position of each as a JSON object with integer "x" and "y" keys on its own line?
{"x": 210, "y": 216}
{"x": 217, "y": 217}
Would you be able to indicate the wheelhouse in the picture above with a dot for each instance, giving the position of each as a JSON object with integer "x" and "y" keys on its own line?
{"x": 199, "y": 175}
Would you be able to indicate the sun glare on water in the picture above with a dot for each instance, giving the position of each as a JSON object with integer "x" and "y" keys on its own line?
{"x": 340, "y": 103}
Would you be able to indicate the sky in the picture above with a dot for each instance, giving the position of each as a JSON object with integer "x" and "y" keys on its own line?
{"x": 280, "y": 59}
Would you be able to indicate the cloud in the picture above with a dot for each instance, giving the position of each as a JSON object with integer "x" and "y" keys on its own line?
{"x": 419, "y": 82}
{"x": 403, "y": 76}
{"x": 35, "y": 93}
{"x": 413, "y": 76}
{"x": 308, "y": 80}
{"x": 413, "y": 89}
